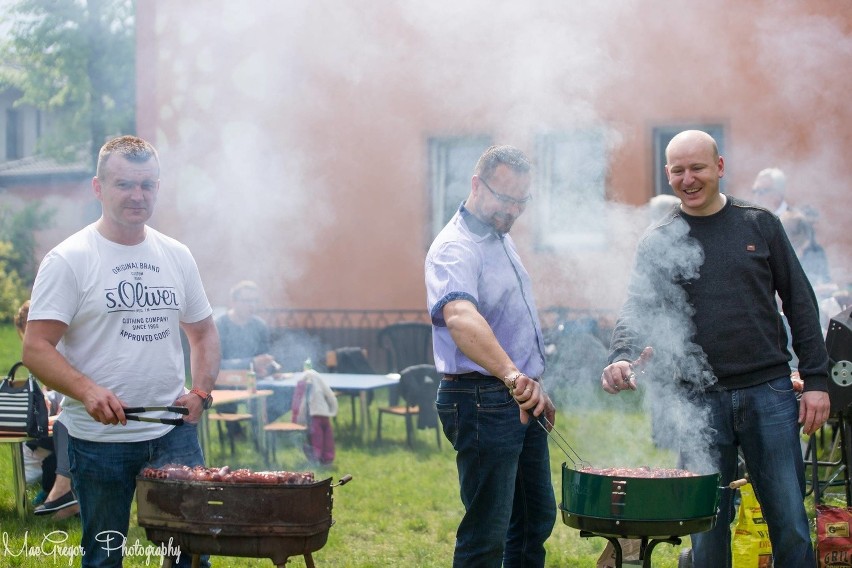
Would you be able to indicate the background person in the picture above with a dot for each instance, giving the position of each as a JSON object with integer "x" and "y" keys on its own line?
{"x": 244, "y": 340}
{"x": 244, "y": 336}
{"x": 769, "y": 190}
{"x": 108, "y": 305}
{"x": 487, "y": 337}
{"x": 749, "y": 398}
{"x": 800, "y": 231}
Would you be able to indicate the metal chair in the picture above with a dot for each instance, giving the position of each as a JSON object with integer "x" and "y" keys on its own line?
{"x": 232, "y": 379}
{"x": 418, "y": 387}
{"x": 283, "y": 428}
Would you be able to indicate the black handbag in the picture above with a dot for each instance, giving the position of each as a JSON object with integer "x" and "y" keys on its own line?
{"x": 23, "y": 409}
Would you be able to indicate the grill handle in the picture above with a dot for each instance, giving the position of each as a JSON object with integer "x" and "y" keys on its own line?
{"x": 343, "y": 480}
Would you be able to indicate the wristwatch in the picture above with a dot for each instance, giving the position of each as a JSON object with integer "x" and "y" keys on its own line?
{"x": 206, "y": 398}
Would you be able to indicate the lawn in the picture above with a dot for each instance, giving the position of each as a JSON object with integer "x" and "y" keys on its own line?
{"x": 402, "y": 506}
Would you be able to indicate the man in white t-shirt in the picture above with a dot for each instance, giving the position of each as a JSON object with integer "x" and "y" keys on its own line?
{"x": 108, "y": 305}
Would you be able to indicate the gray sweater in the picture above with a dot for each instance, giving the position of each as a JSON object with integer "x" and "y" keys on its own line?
{"x": 703, "y": 294}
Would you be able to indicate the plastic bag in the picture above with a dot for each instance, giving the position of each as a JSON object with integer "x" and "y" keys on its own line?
{"x": 630, "y": 550}
{"x": 834, "y": 543}
{"x": 750, "y": 547}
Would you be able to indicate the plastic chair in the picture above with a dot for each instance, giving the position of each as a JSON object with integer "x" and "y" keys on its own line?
{"x": 234, "y": 379}
{"x": 407, "y": 343}
{"x": 418, "y": 387}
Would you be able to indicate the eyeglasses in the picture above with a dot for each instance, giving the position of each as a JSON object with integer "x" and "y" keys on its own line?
{"x": 505, "y": 198}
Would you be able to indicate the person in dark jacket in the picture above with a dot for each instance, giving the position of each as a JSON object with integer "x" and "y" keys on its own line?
{"x": 708, "y": 273}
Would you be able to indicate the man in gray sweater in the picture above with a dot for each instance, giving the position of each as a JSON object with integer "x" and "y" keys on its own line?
{"x": 703, "y": 295}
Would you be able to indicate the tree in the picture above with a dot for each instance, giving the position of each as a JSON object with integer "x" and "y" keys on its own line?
{"x": 75, "y": 59}
{"x": 12, "y": 290}
{"x": 18, "y": 228}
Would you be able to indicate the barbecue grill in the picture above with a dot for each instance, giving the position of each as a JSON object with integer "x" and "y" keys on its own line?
{"x": 257, "y": 520}
{"x": 651, "y": 505}
{"x": 652, "y": 510}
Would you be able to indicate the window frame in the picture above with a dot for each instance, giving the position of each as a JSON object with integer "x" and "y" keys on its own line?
{"x": 441, "y": 179}
{"x": 557, "y": 234}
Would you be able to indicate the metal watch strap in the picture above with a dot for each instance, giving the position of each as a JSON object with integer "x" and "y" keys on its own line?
{"x": 511, "y": 380}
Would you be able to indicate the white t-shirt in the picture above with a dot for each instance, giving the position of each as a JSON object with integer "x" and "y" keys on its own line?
{"x": 123, "y": 306}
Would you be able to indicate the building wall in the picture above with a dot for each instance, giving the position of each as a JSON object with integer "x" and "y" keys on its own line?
{"x": 294, "y": 136}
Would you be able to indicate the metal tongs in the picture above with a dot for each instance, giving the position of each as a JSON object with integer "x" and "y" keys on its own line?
{"x": 548, "y": 427}
{"x": 130, "y": 414}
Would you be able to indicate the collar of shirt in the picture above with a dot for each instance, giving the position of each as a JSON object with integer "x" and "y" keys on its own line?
{"x": 476, "y": 226}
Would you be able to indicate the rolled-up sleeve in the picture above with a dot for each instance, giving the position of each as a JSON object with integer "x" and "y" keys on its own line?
{"x": 452, "y": 273}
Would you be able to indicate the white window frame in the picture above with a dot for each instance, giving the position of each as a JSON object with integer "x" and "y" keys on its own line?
{"x": 571, "y": 169}
{"x": 451, "y": 163}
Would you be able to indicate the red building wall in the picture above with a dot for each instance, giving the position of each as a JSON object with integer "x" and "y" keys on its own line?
{"x": 294, "y": 135}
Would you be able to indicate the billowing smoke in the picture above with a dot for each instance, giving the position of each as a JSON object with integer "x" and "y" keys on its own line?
{"x": 662, "y": 318}
{"x": 287, "y": 128}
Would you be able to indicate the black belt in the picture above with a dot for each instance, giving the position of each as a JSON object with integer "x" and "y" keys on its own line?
{"x": 468, "y": 376}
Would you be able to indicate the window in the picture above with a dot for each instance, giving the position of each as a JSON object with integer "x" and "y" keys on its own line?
{"x": 570, "y": 191}
{"x": 13, "y": 134}
{"x": 451, "y": 163}
{"x": 663, "y": 135}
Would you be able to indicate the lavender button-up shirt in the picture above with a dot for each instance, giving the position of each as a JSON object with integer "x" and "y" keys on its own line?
{"x": 470, "y": 261}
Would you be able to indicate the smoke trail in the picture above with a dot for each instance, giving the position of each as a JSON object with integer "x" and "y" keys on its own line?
{"x": 661, "y": 315}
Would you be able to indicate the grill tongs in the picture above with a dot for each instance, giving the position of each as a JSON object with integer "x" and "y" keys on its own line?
{"x": 561, "y": 442}
{"x": 131, "y": 412}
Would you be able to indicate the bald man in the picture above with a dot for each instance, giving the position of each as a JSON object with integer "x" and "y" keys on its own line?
{"x": 740, "y": 376}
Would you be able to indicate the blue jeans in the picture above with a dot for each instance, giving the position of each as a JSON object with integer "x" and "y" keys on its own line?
{"x": 504, "y": 473}
{"x": 763, "y": 421}
{"x": 104, "y": 478}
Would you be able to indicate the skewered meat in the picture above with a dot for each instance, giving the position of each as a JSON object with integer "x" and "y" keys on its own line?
{"x": 226, "y": 475}
{"x": 642, "y": 471}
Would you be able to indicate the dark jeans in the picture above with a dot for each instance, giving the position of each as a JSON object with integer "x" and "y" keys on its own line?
{"x": 762, "y": 420}
{"x": 504, "y": 473}
{"x": 104, "y": 478}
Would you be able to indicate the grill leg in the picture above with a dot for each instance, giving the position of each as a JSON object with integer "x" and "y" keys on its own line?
{"x": 613, "y": 540}
{"x": 646, "y": 552}
{"x": 309, "y": 560}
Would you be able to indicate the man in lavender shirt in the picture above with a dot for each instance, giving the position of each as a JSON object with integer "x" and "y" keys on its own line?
{"x": 488, "y": 345}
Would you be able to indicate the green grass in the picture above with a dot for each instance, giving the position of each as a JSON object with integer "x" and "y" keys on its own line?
{"x": 402, "y": 506}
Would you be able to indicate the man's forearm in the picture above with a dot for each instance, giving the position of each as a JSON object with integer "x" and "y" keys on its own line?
{"x": 53, "y": 370}
{"x": 205, "y": 353}
{"x": 474, "y": 337}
